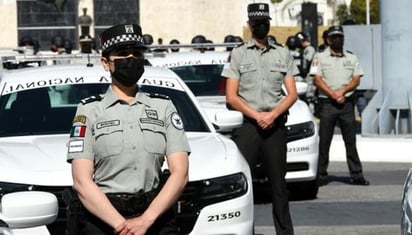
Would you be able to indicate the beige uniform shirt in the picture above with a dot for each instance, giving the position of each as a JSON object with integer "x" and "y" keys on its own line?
{"x": 336, "y": 71}
{"x": 127, "y": 142}
{"x": 260, "y": 73}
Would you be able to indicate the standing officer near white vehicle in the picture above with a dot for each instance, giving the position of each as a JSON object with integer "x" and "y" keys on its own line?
{"x": 118, "y": 144}
{"x": 336, "y": 74}
{"x": 255, "y": 76}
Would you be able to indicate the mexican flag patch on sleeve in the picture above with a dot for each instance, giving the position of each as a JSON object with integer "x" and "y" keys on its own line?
{"x": 78, "y": 131}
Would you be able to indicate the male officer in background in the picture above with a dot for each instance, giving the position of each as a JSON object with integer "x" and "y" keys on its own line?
{"x": 257, "y": 70}
{"x": 336, "y": 74}
{"x": 118, "y": 144}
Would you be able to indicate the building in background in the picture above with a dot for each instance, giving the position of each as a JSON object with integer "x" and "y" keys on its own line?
{"x": 174, "y": 19}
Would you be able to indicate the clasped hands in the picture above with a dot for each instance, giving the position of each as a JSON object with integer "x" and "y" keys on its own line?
{"x": 265, "y": 120}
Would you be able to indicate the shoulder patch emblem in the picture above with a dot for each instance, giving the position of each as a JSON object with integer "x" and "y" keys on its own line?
{"x": 177, "y": 121}
{"x": 79, "y": 118}
{"x": 92, "y": 99}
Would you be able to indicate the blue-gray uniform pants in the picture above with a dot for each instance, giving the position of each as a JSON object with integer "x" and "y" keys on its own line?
{"x": 270, "y": 147}
{"x": 343, "y": 114}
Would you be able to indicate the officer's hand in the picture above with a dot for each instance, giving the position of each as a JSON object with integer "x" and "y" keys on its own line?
{"x": 340, "y": 92}
{"x": 134, "y": 226}
{"x": 340, "y": 100}
{"x": 265, "y": 120}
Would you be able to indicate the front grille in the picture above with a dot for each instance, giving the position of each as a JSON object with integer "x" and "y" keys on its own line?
{"x": 197, "y": 195}
{"x": 297, "y": 166}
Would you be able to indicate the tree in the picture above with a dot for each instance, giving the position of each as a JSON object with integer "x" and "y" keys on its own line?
{"x": 358, "y": 11}
{"x": 342, "y": 13}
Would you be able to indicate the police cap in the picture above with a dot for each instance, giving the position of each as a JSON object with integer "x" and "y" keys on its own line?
{"x": 258, "y": 11}
{"x": 335, "y": 30}
{"x": 122, "y": 35}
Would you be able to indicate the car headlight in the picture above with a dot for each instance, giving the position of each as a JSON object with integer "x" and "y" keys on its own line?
{"x": 300, "y": 131}
{"x": 199, "y": 194}
{"x": 13, "y": 187}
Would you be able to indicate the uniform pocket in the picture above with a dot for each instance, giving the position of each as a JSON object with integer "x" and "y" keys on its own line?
{"x": 247, "y": 68}
{"x": 278, "y": 72}
{"x": 109, "y": 140}
{"x": 154, "y": 138}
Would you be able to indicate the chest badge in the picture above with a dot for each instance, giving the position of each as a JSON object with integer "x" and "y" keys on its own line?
{"x": 151, "y": 114}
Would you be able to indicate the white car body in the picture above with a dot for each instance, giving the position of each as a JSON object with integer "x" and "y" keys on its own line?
{"x": 26, "y": 213}
{"x": 302, "y": 156}
{"x": 39, "y": 161}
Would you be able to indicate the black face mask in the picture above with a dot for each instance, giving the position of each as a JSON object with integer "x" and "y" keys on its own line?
{"x": 128, "y": 70}
{"x": 260, "y": 31}
{"x": 336, "y": 44}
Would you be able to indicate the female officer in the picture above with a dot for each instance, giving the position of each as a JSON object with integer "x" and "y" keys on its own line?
{"x": 118, "y": 143}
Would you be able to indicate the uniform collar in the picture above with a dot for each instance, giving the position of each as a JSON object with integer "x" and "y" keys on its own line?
{"x": 332, "y": 55}
{"x": 251, "y": 44}
{"x": 110, "y": 98}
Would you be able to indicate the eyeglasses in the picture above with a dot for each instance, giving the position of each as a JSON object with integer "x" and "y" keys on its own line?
{"x": 126, "y": 52}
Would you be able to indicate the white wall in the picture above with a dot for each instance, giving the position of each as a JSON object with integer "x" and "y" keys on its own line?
{"x": 8, "y": 25}
{"x": 183, "y": 19}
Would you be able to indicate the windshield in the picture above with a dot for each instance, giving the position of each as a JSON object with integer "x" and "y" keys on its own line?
{"x": 50, "y": 110}
{"x": 203, "y": 80}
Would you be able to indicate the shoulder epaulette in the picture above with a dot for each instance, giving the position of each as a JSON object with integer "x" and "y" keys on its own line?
{"x": 92, "y": 99}
{"x": 157, "y": 95}
{"x": 349, "y": 52}
{"x": 240, "y": 44}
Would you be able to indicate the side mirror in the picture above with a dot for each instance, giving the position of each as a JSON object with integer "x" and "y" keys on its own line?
{"x": 28, "y": 209}
{"x": 226, "y": 121}
{"x": 301, "y": 88}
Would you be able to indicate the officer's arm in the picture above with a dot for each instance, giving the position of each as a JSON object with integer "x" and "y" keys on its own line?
{"x": 235, "y": 101}
{"x": 319, "y": 83}
{"x": 351, "y": 85}
{"x": 291, "y": 97}
{"x": 90, "y": 195}
{"x": 178, "y": 164}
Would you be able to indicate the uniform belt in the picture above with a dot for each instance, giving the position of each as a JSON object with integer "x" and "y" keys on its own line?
{"x": 129, "y": 203}
{"x": 348, "y": 99}
{"x": 279, "y": 122}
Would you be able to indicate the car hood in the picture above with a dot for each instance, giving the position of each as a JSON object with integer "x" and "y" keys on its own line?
{"x": 213, "y": 155}
{"x": 41, "y": 160}
{"x": 299, "y": 112}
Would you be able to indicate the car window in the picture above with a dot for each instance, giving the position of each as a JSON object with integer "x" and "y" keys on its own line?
{"x": 203, "y": 80}
{"x": 45, "y": 110}
{"x": 50, "y": 110}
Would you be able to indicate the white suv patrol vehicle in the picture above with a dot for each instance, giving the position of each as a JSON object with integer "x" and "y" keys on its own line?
{"x": 37, "y": 106}
{"x": 201, "y": 70}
